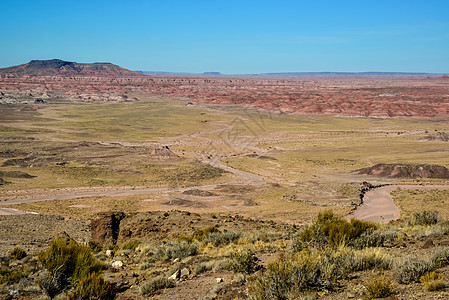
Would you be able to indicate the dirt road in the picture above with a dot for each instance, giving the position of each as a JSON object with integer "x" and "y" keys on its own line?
{"x": 378, "y": 204}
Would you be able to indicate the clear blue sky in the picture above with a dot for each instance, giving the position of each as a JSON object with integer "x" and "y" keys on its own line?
{"x": 232, "y": 37}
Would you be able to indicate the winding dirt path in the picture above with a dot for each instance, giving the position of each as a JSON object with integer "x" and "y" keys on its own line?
{"x": 378, "y": 204}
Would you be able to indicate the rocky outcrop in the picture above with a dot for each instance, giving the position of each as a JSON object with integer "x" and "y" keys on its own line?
{"x": 105, "y": 227}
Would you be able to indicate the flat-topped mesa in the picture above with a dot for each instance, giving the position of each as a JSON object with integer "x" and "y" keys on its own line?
{"x": 67, "y": 68}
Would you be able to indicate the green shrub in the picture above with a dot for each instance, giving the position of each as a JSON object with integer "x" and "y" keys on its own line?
{"x": 156, "y": 284}
{"x": 17, "y": 253}
{"x": 93, "y": 286}
{"x": 244, "y": 261}
{"x": 330, "y": 229}
{"x": 69, "y": 258}
{"x": 379, "y": 288}
{"x": 11, "y": 276}
{"x": 410, "y": 268}
{"x": 130, "y": 245}
{"x": 424, "y": 218}
{"x": 432, "y": 281}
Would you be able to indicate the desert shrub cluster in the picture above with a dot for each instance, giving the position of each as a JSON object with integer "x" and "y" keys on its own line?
{"x": 70, "y": 264}
{"x": 317, "y": 259}
{"x": 325, "y": 253}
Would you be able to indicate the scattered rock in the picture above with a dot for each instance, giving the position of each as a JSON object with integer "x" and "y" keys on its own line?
{"x": 175, "y": 276}
{"x": 117, "y": 264}
{"x": 185, "y": 272}
{"x": 219, "y": 280}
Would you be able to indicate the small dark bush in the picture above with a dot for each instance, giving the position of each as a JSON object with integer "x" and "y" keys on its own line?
{"x": 54, "y": 284}
{"x": 424, "y": 218}
{"x": 244, "y": 261}
{"x": 17, "y": 253}
{"x": 156, "y": 284}
{"x": 93, "y": 287}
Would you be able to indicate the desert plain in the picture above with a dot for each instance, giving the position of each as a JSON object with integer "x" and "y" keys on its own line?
{"x": 115, "y": 157}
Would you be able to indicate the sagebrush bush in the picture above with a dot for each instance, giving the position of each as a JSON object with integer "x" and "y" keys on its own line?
{"x": 410, "y": 268}
{"x": 244, "y": 261}
{"x": 379, "y": 288}
{"x": 304, "y": 270}
{"x": 376, "y": 238}
{"x": 156, "y": 284}
{"x": 95, "y": 287}
{"x": 362, "y": 260}
{"x": 219, "y": 239}
{"x": 432, "y": 281}
{"x": 330, "y": 229}
{"x": 424, "y": 218}
{"x": 441, "y": 258}
{"x": 177, "y": 249}
{"x": 17, "y": 253}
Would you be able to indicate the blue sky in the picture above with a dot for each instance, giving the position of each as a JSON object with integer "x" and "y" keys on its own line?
{"x": 232, "y": 37}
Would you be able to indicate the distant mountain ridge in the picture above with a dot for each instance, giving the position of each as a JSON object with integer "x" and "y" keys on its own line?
{"x": 68, "y": 68}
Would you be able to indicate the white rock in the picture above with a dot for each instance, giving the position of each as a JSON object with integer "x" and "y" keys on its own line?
{"x": 117, "y": 264}
{"x": 219, "y": 280}
{"x": 174, "y": 276}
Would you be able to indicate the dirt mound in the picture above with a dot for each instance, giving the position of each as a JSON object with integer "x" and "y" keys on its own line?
{"x": 15, "y": 174}
{"x": 200, "y": 193}
{"x": 439, "y": 136}
{"x": 407, "y": 171}
{"x": 163, "y": 152}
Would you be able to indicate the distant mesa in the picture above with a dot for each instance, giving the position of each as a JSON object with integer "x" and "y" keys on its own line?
{"x": 211, "y": 73}
{"x": 67, "y": 68}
